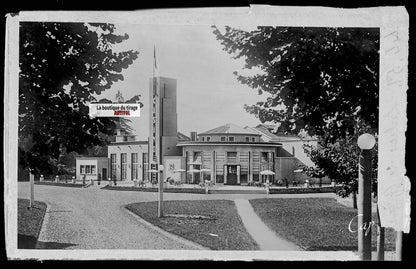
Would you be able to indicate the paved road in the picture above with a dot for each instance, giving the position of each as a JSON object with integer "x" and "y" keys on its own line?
{"x": 91, "y": 218}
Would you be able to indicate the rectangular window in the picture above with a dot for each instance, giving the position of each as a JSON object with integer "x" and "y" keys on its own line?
{"x": 113, "y": 159}
{"x": 231, "y": 139}
{"x": 232, "y": 157}
{"x": 264, "y": 157}
{"x": 197, "y": 158}
{"x": 243, "y": 175}
{"x": 253, "y": 139}
{"x": 92, "y": 169}
{"x": 134, "y": 166}
{"x": 208, "y": 138}
{"x": 123, "y": 166}
{"x": 203, "y": 138}
{"x": 82, "y": 169}
{"x": 87, "y": 169}
{"x": 145, "y": 167}
{"x": 223, "y": 138}
{"x": 134, "y": 157}
{"x": 247, "y": 139}
{"x": 220, "y": 175}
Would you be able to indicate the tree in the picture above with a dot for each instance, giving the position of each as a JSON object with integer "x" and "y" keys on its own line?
{"x": 62, "y": 67}
{"x": 323, "y": 80}
{"x": 320, "y": 80}
{"x": 339, "y": 161}
{"x": 67, "y": 160}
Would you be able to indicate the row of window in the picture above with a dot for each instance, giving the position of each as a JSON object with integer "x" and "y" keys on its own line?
{"x": 219, "y": 177}
{"x": 87, "y": 169}
{"x": 231, "y": 156}
{"x": 230, "y": 139}
{"x": 134, "y": 165}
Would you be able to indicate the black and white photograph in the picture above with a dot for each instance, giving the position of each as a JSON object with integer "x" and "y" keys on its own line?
{"x": 225, "y": 139}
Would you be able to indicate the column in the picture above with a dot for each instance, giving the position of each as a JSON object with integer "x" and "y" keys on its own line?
{"x": 225, "y": 174}
{"x": 238, "y": 174}
{"x": 213, "y": 172}
{"x": 250, "y": 166}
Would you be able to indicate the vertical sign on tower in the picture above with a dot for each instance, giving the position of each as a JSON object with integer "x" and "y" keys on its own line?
{"x": 154, "y": 122}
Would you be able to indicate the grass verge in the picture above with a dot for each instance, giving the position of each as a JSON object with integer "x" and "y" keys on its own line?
{"x": 302, "y": 190}
{"x": 315, "y": 223}
{"x": 29, "y": 222}
{"x": 155, "y": 189}
{"x": 211, "y": 223}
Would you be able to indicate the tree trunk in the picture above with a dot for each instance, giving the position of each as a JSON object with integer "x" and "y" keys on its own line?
{"x": 354, "y": 199}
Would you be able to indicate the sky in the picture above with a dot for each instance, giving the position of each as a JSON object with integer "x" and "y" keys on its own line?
{"x": 208, "y": 93}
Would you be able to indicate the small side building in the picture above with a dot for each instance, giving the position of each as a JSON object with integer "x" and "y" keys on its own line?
{"x": 291, "y": 156}
{"x": 91, "y": 168}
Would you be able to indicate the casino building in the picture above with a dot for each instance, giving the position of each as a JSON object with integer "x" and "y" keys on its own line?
{"x": 228, "y": 154}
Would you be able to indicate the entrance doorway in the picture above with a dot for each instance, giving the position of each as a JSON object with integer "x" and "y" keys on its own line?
{"x": 232, "y": 175}
{"x": 104, "y": 173}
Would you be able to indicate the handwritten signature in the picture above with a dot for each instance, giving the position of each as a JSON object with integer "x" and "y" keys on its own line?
{"x": 366, "y": 226}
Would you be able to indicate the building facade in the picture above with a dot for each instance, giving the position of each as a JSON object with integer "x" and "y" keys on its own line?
{"x": 228, "y": 154}
{"x": 91, "y": 168}
{"x": 128, "y": 160}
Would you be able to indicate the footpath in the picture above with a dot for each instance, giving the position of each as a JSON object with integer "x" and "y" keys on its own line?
{"x": 263, "y": 235}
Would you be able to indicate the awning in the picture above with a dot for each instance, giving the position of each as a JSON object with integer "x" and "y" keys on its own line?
{"x": 267, "y": 172}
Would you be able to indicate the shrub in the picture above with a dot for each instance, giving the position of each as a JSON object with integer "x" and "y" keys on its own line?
{"x": 171, "y": 181}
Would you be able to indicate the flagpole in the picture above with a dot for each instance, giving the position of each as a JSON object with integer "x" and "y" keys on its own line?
{"x": 154, "y": 61}
{"x": 158, "y": 157}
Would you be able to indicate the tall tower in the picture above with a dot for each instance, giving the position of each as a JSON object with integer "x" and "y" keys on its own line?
{"x": 163, "y": 129}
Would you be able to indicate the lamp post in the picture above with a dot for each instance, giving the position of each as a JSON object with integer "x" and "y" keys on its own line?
{"x": 160, "y": 200}
{"x": 365, "y": 142}
{"x": 158, "y": 170}
{"x": 32, "y": 189}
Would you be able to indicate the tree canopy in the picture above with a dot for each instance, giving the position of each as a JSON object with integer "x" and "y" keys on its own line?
{"x": 62, "y": 67}
{"x": 323, "y": 80}
{"x": 339, "y": 161}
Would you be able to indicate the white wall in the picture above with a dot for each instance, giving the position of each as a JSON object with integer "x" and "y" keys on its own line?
{"x": 80, "y": 162}
{"x": 172, "y": 163}
{"x": 129, "y": 149}
{"x": 297, "y": 147}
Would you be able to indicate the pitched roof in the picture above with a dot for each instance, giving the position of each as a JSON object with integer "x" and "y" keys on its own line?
{"x": 182, "y": 137}
{"x": 280, "y": 137}
{"x": 267, "y": 126}
{"x": 229, "y": 128}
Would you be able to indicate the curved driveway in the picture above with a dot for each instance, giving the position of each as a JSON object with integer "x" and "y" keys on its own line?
{"x": 91, "y": 218}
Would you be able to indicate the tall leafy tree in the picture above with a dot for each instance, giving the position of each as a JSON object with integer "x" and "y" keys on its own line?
{"x": 339, "y": 161}
{"x": 62, "y": 67}
{"x": 323, "y": 80}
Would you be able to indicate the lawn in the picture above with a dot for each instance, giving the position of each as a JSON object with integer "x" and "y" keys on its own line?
{"x": 314, "y": 223}
{"x": 211, "y": 223}
{"x": 29, "y": 222}
{"x": 155, "y": 189}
